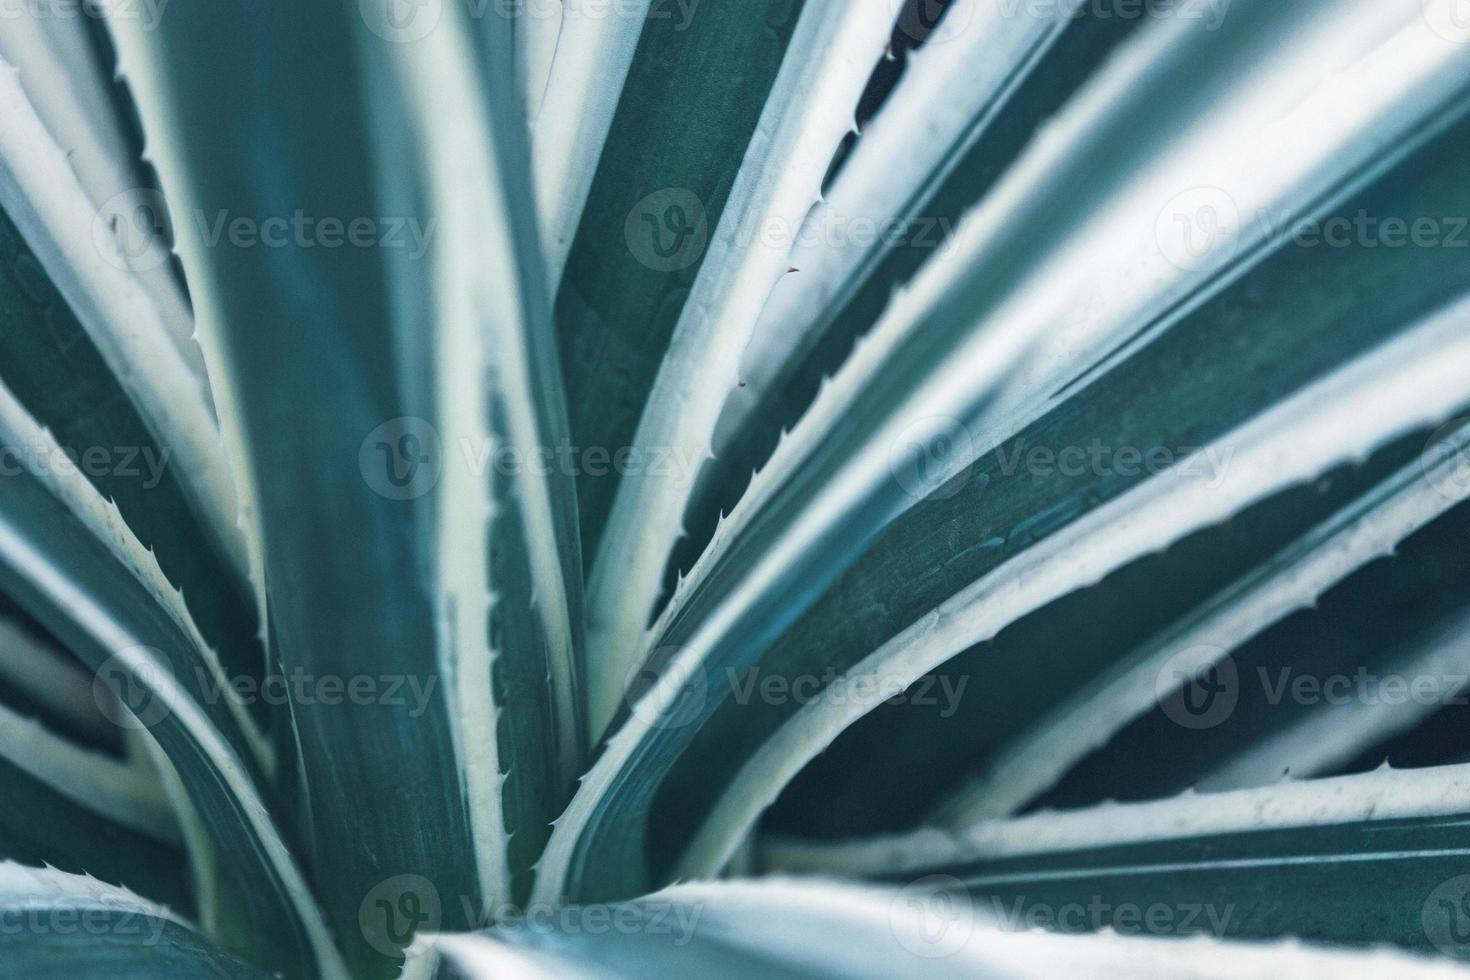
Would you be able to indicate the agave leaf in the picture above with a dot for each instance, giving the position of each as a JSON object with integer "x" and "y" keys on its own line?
{"x": 53, "y": 367}
{"x": 65, "y": 82}
{"x": 595, "y": 47}
{"x": 72, "y": 493}
{"x": 1014, "y": 713}
{"x": 913, "y": 176}
{"x": 1079, "y": 540}
{"x": 1314, "y": 842}
{"x": 108, "y": 786}
{"x": 816, "y": 929}
{"x": 112, "y": 616}
{"x": 1397, "y": 622}
{"x": 378, "y": 510}
{"x": 40, "y": 824}
{"x": 826, "y": 492}
{"x": 79, "y": 806}
{"x": 68, "y": 559}
{"x": 1311, "y": 154}
{"x": 73, "y": 242}
{"x": 49, "y": 684}
{"x": 64, "y": 925}
{"x": 1125, "y": 237}
{"x": 809, "y": 518}
{"x": 25, "y": 439}
{"x": 538, "y": 30}
{"x": 498, "y": 330}
{"x": 965, "y": 74}
{"x": 684, "y": 122}
{"x": 1316, "y": 746}
{"x": 829, "y": 60}
{"x": 210, "y": 902}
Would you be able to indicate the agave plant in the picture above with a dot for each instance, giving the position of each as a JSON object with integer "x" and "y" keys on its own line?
{"x": 809, "y": 488}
